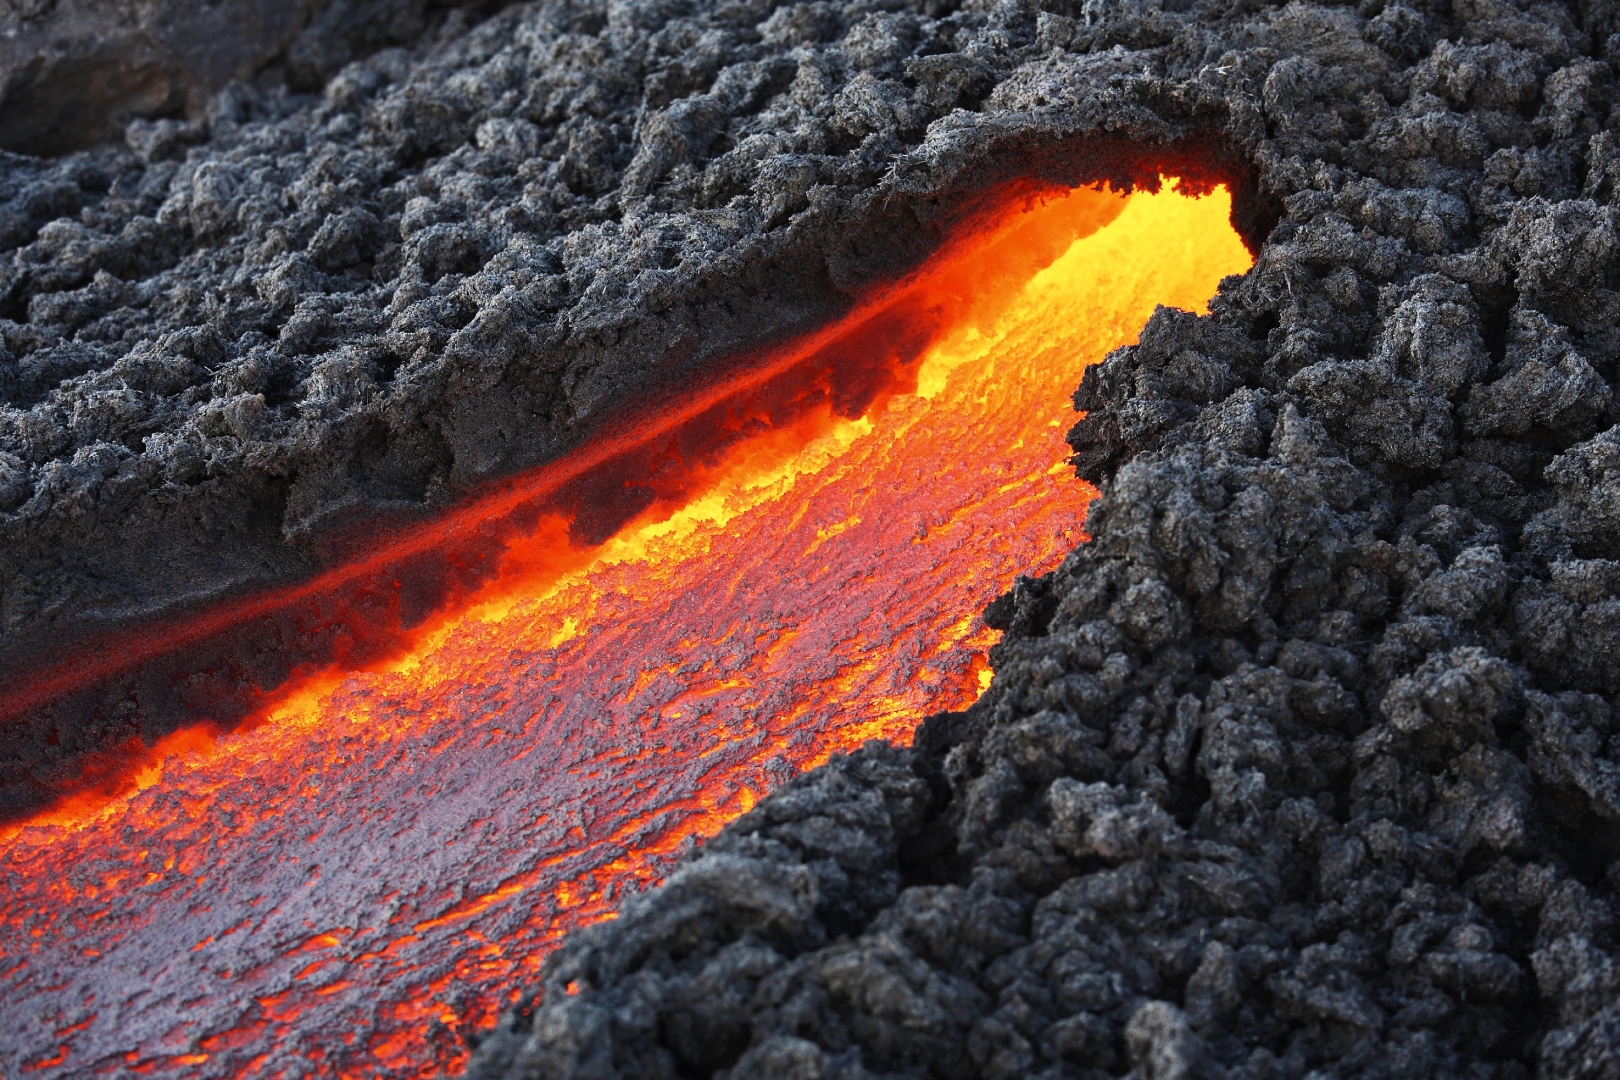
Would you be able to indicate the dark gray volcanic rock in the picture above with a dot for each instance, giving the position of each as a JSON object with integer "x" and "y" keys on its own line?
{"x": 1307, "y": 765}
{"x": 74, "y": 72}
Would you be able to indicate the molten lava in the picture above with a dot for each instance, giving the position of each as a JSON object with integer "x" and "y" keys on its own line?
{"x": 342, "y": 885}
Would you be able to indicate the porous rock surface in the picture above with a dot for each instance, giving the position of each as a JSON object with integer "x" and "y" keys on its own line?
{"x": 1306, "y": 765}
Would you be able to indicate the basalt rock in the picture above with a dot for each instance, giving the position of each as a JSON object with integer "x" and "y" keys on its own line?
{"x": 1305, "y": 765}
{"x": 74, "y": 73}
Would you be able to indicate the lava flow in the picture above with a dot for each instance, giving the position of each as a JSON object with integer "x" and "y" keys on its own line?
{"x": 347, "y": 884}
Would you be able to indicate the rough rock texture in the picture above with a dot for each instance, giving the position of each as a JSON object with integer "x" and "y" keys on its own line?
{"x": 1307, "y": 765}
{"x": 75, "y": 72}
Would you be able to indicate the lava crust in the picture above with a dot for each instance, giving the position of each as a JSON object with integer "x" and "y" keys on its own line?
{"x": 1306, "y": 764}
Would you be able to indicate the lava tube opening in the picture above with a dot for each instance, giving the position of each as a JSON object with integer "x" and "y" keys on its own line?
{"x": 645, "y": 641}
{"x": 78, "y": 731}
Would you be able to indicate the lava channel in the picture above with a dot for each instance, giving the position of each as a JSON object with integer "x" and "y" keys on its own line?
{"x": 352, "y": 881}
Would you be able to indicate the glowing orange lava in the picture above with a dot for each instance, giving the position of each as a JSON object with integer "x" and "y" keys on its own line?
{"x": 340, "y": 887}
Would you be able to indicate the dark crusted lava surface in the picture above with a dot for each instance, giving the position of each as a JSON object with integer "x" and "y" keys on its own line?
{"x": 1306, "y": 765}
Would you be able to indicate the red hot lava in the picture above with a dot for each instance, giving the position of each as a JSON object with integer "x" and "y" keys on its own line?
{"x": 345, "y": 884}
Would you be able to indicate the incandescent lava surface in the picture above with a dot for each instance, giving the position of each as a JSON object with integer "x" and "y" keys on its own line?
{"x": 350, "y": 881}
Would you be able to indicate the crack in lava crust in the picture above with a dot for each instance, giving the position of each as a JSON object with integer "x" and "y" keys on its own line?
{"x": 341, "y": 886}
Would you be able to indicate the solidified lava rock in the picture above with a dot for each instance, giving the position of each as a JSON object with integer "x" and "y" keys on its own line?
{"x": 74, "y": 72}
{"x": 1306, "y": 764}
